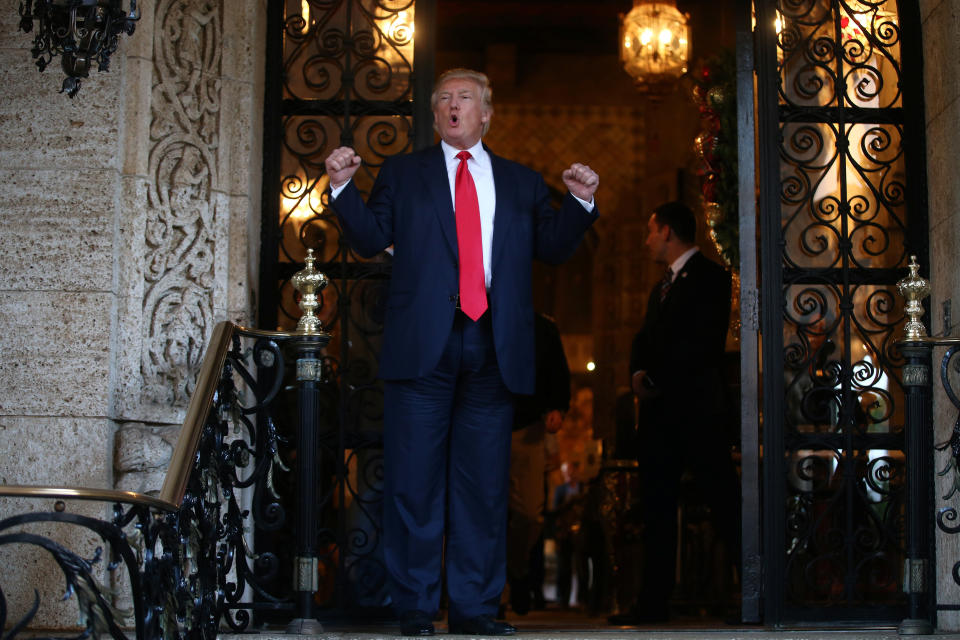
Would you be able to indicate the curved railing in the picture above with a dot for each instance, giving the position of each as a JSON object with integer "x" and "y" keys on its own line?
{"x": 184, "y": 553}
{"x": 184, "y": 556}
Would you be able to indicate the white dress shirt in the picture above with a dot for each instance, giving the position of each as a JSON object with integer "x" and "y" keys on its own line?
{"x": 677, "y": 264}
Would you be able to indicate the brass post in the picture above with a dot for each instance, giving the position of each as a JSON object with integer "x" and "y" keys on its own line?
{"x": 308, "y": 281}
{"x": 918, "y": 441}
{"x": 308, "y": 347}
{"x": 914, "y": 289}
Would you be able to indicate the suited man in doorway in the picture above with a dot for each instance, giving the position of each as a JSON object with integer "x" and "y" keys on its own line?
{"x": 676, "y": 370}
{"x": 458, "y": 343}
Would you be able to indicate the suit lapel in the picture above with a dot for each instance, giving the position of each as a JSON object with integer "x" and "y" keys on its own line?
{"x": 438, "y": 185}
{"x": 504, "y": 186}
{"x": 680, "y": 282}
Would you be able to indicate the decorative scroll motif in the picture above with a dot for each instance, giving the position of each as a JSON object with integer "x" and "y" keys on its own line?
{"x": 843, "y": 224}
{"x": 948, "y": 518}
{"x": 182, "y": 225}
{"x": 839, "y": 53}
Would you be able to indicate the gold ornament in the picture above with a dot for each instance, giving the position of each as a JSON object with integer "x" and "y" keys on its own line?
{"x": 713, "y": 213}
{"x": 716, "y": 96}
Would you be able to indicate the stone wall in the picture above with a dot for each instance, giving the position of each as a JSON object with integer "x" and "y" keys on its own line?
{"x": 941, "y": 23}
{"x": 130, "y": 226}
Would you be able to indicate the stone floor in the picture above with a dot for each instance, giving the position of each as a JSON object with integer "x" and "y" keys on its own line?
{"x": 571, "y": 625}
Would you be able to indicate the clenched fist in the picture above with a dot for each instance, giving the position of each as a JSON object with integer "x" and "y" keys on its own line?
{"x": 341, "y": 164}
{"x": 581, "y": 180}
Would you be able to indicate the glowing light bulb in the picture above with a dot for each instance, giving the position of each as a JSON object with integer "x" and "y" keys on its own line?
{"x": 591, "y": 365}
{"x": 665, "y": 36}
{"x": 646, "y": 37}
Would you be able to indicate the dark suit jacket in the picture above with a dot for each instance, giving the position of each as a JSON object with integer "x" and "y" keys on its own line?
{"x": 682, "y": 342}
{"x": 410, "y": 207}
{"x": 553, "y": 376}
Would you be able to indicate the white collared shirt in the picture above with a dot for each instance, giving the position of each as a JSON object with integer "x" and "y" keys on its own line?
{"x": 677, "y": 264}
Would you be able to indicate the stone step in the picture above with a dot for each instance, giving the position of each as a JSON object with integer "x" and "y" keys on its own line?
{"x": 566, "y": 625}
{"x": 606, "y": 633}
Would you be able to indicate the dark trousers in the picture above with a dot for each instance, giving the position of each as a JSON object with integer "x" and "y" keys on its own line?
{"x": 446, "y": 466}
{"x": 666, "y": 451}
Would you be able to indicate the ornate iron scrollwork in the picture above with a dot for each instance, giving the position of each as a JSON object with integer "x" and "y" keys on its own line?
{"x": 840, "y": 234}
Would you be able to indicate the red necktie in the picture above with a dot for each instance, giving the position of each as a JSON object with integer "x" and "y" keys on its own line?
{"x": 473, "y": 288}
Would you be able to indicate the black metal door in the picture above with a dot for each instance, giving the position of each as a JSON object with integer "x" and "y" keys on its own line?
{"x": 841, "y": 208}
{"x": 338, "y": 72}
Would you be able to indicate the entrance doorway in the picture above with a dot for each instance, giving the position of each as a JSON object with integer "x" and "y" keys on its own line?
{"x": 836, "y": 217}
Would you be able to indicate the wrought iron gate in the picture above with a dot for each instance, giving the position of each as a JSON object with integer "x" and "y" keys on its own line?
{"x": 841, "y": 208}
{"x": 338, "y": 72}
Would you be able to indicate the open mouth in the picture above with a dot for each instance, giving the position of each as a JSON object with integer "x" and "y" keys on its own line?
{"x": 454, "y": 118}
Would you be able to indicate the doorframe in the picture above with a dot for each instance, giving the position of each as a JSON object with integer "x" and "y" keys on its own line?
{"x": 751, "y": 573}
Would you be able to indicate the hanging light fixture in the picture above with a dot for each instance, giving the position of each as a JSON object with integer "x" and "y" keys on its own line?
{"x": 654, "y": 44}
{"x": 79, "y": 31}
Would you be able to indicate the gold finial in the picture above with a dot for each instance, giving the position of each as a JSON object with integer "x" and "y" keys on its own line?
{"x": 914, "y": 289}
{"x": 308, "y": 281}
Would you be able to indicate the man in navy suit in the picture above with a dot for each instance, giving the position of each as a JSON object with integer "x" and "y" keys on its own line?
{"x": 676, "y": 366}
{"x": 458, "y": 344}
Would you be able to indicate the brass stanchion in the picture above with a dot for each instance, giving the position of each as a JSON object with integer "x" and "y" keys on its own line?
{"x": 917, "y": 351}
{"x": 308, "y": 346}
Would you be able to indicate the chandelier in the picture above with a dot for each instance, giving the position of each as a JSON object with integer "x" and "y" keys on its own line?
{"x": 654, "y": 44}
{"x": 79, "y": 31}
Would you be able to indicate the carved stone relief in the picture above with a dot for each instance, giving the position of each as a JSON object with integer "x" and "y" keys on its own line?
{"x": 183, "y": 213}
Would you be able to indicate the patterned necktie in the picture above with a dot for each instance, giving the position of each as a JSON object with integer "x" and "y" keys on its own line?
{"x": 666, "y": 283}
{"x": 473, "y": 288}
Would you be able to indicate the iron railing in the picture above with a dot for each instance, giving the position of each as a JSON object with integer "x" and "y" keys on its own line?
{"x": 185, "y": 555}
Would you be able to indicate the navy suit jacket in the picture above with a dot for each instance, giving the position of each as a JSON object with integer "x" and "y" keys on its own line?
{"x": 410, "y": 207}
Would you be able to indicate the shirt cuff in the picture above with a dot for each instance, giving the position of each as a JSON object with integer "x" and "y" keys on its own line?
{"x": 586, "y": 205}
{"x": 335, "y": 192}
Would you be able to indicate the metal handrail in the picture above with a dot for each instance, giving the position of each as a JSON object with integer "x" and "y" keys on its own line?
{"x": 181, "y": 463}
{"x": 80, "y": 493}
{"x": 178, "y": 473}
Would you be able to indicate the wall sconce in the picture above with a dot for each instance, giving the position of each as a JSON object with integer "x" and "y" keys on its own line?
{"x": 79, "y": 31}
{"x": 654, "y": 44}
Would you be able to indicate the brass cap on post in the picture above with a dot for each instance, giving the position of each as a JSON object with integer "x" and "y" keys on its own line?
{"x": 914, "y": 289}
{"x": 308, "y": 281}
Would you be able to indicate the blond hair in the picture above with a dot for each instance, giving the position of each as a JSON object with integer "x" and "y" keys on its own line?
{"x": 481, "y": 80}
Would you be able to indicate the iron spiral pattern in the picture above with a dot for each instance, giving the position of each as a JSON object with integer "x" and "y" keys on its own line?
{"x": 948, "y": 517}
{"x": 131, "y": 539}
{"x": 844, "y": 226}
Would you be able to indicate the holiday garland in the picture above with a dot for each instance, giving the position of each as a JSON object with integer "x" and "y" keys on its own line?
{"x": 716, "y": 147}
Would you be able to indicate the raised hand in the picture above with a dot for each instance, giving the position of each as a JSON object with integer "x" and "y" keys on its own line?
{"x": 341, "y": 164}
{"x": 581, "y": 180}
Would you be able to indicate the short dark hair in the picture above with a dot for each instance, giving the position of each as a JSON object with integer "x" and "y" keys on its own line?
{"x": 680, "y": 218}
